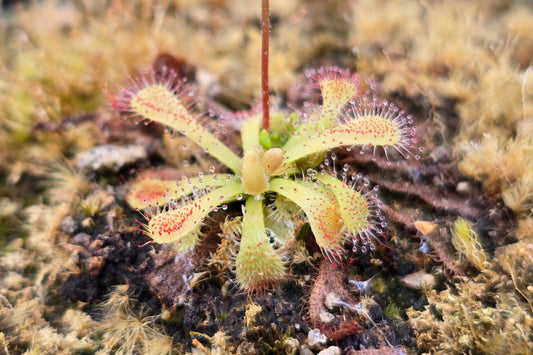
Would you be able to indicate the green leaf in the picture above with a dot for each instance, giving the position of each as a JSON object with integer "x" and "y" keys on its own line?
{"x": 321, "y": 209}
{"x": 157, "y": 192}
{"x": 365, "y": 130}
{"x": 354, "y": 207}
{"x": 178, "y": 223}
{"x": 157, "y": 103}
{"x": 257, "y": 263}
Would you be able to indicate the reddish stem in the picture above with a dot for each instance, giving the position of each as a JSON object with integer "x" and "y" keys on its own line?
{"x": 265, "y": 31}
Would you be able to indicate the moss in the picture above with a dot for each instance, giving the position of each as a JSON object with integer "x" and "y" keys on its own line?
{"x": 392, "y": 311}
{"x": 466, "y": 242}
{"x": 472, "y": 319}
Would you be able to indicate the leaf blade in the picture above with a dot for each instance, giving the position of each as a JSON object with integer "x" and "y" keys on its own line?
{"x": 178, "y": 223}
{"x": 157, "y": 103}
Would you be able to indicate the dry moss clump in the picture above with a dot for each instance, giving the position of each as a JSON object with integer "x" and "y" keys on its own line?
{"x": 491, "y": 313}
{"x": 472, "y": 319}
{"x": 504, "y": 166}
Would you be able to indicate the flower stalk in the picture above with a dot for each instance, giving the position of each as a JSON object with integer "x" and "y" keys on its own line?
{"x": 265, "y": 34}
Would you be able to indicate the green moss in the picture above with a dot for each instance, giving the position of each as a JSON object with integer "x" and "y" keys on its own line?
{"x": 223, "y": 315}
{"x": 466, "y": 242}
{"x": 392, "y": 311}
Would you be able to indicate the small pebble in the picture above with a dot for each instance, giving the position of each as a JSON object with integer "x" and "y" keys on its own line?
{"x": 332, "y": 350}
{"x": 441, "y": 153}
{"x": 81, "y": 239}
{"x": 419, "y": 280}
{"x": 326, "y": 317}
{"x": 68, "y": 225}
{"x": 304, "y": 350}
{"x": 87, "y": 222}
{"x": 315, "y": 339}
{"x": 463, "y": 187}
{"x": 331, "y": 301}
{"x": 425, "y": 227}
{"x": 437, "y": 181}
{"x": 292, "y": 344}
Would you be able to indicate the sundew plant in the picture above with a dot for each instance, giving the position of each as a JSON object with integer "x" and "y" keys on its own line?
{"x": 279, "y": 178}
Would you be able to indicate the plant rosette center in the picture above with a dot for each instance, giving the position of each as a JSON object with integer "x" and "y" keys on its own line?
{"x": 256, "y": 167}
{"x": 276, "y": 166}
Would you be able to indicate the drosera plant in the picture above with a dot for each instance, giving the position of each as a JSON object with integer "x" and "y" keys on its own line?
{"x": 279, "y": 177}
